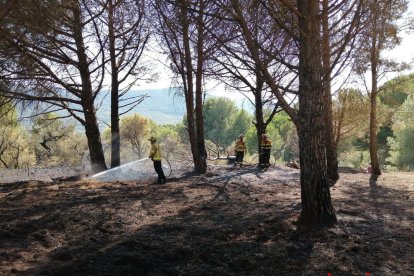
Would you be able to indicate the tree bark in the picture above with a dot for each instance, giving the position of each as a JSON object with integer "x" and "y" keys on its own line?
{"x": 87, "y": 100}
{"x": 94, "y": 137}
{"x": 373, "y": 148}
{"x": 115, "y": 135}
{"x": 374, "y": 59}
{"x": 195, "y": 122}
{"x": 201, "y": 163}
{"x": 260, "y": 123}
{"x": 316, "y": 200}
{"x": 331, "y": 150}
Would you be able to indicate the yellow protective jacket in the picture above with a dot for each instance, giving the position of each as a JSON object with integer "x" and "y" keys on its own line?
{"x": 266, "y": 144}
{"x": 240, "y": 146}
{"x": 155, "y": 153}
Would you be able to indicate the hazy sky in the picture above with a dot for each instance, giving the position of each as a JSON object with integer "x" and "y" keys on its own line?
{"x": 404, "y": 52}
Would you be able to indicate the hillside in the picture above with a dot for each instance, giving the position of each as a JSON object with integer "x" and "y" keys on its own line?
{"x": 163, "y": 106}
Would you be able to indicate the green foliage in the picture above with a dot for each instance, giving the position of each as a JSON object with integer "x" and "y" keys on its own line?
{"x": 401, "y": 145}
{"x": 164, "y": 132}
{"x": 56, "y": 142}
{"x": 251, "y": 140}
{"x": 352, "y": 150}
{"x": 169, "y": 138}
{"x": 239, "y": 124}
{"x": 282, "y": 132}
{"x": 381, "y": 34}
{"x": 223, "y": 121}
{"x": 277, "y": 141}
{"x": 395, "y": 92}
{"x": 354, "y": 158}
{"x": 404, "y": 117}
{"x": 217, "y": 114}
{"x": 284, "y": 137}
{"x": 351, "y": 121}
{"x": 393, "y": 95}
{"x": 291, "y": 147}
{"x": 382, "y": 141}
{"x": 14, "y": 147}
{"x": 282, "y": 124}
{"x": 350, "y": 115}
{"x": 182, "y": 131}
{"x": 383, "y": 134}
{"x": 72, "y": 148}
{"x": 402, "y": 149}
{"x": 135, "y": 131}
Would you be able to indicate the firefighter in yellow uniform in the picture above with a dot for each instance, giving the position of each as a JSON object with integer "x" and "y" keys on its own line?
{"x": 156, "y": 157}
{"x": 265, "y": 147}
{"x": 240, "y": 149}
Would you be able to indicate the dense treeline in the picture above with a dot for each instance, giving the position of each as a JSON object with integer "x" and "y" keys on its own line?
{"x": 51, "y": 141}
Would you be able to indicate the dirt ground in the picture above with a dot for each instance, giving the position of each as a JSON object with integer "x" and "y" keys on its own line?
{"x": 227, "y": 222}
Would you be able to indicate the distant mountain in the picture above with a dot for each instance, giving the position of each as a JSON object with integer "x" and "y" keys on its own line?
{"x": 163, "y": 106}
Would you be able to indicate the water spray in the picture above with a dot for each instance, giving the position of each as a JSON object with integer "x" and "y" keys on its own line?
{"x": 132, "y": 171}
{"x": 168, "y": 166}
{"x": 118, "y": 168}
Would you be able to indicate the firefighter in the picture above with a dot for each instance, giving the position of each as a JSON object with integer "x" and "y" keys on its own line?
{"x": 240, "y": 149}
{"x": 156, "y": 157}
{"x": 265, "y": 147}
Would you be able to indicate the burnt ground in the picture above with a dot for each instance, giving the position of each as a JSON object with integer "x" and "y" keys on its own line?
{"x": 227, "y": 222}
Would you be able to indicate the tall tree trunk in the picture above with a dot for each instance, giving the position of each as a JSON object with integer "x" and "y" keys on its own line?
{"x": 194, "y": 116}
{"x": 115, "y": 135}
{"x": 189, "y": 88}
{"x": 331, "y": 150}
{"x": 87, "y": 100}
{"x": 260, "y": 123}
{"x": 115, "y": 132}
{"x": 316, "y": 199}
{"x": 374, "y": 59}
{"x": 201, "y": 164}
{"x": 373, "y": 148}
{"x": 93, "y": 136}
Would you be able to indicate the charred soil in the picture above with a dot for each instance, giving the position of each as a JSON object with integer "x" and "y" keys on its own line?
{"x": 227, "y": 222}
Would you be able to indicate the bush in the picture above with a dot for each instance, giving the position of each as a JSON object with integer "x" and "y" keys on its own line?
{"x": 354, "y": 158}
{"x": 402, "y": 149}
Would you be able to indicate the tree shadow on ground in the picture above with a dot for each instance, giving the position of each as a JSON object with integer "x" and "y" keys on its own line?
{"x": 193, "y": 226}
{"x": 209, "y": 236}
{"x": 377, "y": 218}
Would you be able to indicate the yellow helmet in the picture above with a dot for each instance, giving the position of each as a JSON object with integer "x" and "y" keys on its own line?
{"x": 152, "y": 139}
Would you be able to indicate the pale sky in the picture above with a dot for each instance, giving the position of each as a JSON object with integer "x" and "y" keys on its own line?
{"x": 405, "y": 51}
